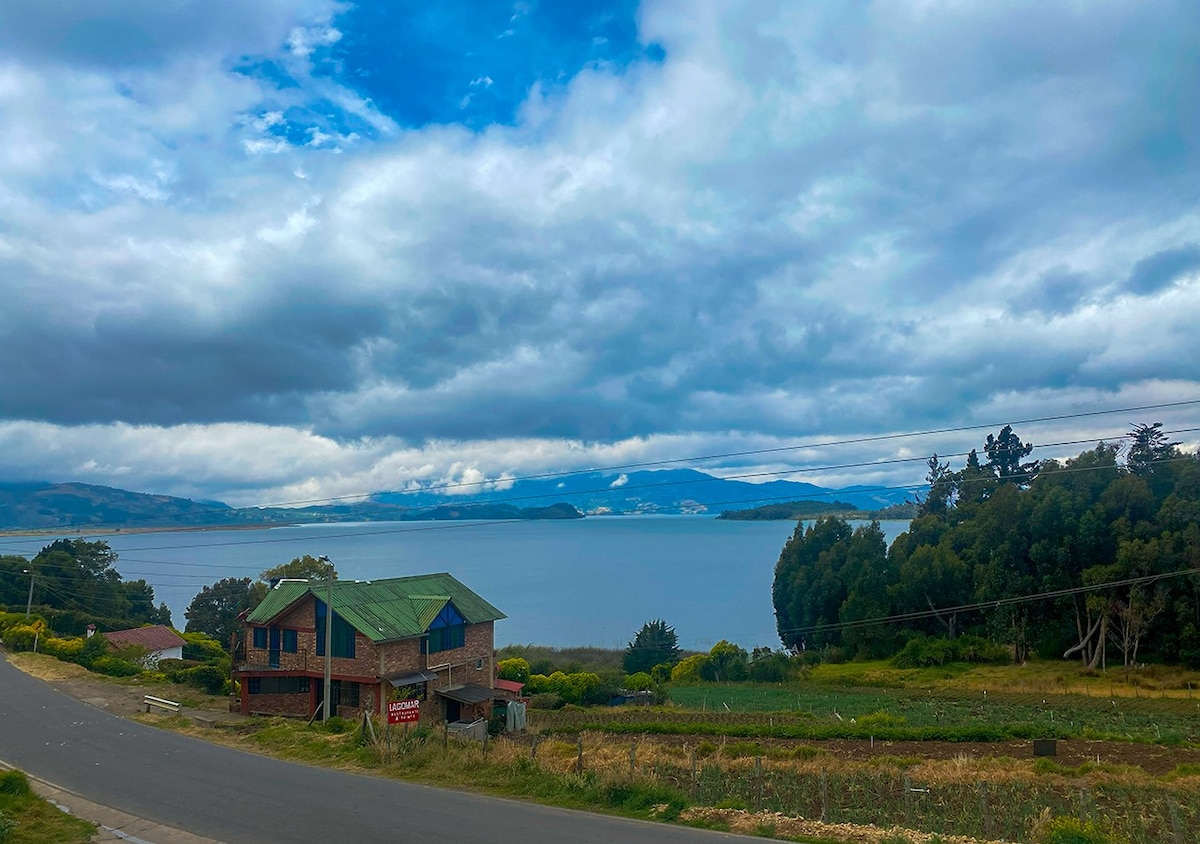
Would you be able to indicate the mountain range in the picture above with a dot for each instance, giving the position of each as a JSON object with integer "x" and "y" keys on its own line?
{"x": 49, "y": 506}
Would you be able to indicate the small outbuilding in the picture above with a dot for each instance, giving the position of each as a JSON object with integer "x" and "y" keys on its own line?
{"x": 160, "y": 642}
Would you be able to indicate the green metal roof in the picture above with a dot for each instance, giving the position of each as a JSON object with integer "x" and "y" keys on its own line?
{"x": 383, "y": 610}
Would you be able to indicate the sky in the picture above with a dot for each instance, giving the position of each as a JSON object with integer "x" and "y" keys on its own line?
{"x": 266, "y": 252}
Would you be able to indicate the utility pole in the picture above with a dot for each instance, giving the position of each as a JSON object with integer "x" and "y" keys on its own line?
{"x": 328, "y": 638}
{"x": 29, "y": 600}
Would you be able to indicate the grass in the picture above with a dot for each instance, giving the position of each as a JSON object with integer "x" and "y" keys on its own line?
{"x": 54, "y": 670}
{"x": 26, "y": 818}
{"x": 871, "y": 699}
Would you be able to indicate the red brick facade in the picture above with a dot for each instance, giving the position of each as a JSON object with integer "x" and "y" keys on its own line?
{"x": 369, "y": 669}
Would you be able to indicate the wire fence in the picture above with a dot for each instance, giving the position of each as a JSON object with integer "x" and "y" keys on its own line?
{"x": 1003, "y": 806}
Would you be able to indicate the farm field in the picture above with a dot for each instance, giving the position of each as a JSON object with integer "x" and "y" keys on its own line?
{"x": 939, "y": 751}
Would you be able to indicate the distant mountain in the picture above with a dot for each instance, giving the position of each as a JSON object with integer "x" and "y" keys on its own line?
{"x": 76, "y": 506}
{"x": 660, "y": 491}
{"x": 83, "y": 507}
{"x": 45, "y": 506}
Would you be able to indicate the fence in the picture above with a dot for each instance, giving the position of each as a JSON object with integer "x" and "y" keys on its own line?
{"x": 1004, "y": 807}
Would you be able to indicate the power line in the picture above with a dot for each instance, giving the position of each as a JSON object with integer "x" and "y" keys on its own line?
{"x": 735, "y": 477}
{"x": 440, "y": 526}
{"x": 979, "y": 605}
{"x": 678, "y": 460}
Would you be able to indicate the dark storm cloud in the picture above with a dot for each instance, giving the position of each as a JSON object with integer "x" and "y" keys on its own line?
{"x": 805, "y": 219}
{"x": 1162, "y": 269}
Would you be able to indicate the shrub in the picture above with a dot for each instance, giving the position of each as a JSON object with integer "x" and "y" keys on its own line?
{"x": 114, "y": 667}
{"x": 7, "y": 825}
{"x": 545, "y": 700}
{"x": 923, "y": 652}
{"x": 14, "y": 784}
{"x": 68, "y": 650}
{"x": 639, "y": 682}
{"x": 208, "y": 678}
{"x": 515, "y": 669}
{"x": 202, "y": 647}
{"x": 20, "y": 637}
{"x": 688, "y": 670}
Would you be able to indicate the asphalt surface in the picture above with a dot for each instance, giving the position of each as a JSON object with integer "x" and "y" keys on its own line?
{"x": 242, "y": 798}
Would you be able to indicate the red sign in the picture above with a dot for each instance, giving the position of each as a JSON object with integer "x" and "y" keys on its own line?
{"x": 403, "y": 711}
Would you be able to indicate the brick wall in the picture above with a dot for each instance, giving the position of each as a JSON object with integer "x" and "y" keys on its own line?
{"x": 296, "y": 704}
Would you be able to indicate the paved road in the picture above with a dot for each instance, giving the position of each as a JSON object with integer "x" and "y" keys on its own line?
{"x": 239, "y": 797}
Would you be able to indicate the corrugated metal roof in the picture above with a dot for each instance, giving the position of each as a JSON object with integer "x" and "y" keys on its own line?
{"x": 383, "y": 610}
{"x": 155, "y": 638}
{"x": 468, "y": 693}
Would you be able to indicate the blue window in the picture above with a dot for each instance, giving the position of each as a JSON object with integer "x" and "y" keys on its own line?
{"x": 260, "y": 637}
{"x": 289, "y": 641}
{"x": 447, "y": 632}
{"x": 342, "y": 634}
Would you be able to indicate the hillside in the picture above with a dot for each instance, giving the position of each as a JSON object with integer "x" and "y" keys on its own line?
{"x": 78, "y": 506}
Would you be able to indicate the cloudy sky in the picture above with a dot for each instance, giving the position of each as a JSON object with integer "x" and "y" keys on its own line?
{"x": 277, "y": 250}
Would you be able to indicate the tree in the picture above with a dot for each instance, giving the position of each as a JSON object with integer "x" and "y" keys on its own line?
{"x": 941, "y": 488}
{"x": 1148, "y": 445}
{"x": 76, "y": 574}
{"x": 301, "y": 568}
{"x": 1005, "y": 452}
{"x": 726, "y": 663}
{"x": 215, "y": 610}
{"x": 655, "y": 643}
{"x": 140, "y": 596}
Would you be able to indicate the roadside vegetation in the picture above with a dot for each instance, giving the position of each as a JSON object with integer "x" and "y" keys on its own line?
{"x": 26, "y": 818}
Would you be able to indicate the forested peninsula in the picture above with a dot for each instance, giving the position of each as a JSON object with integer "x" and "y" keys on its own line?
{"x": 1095, "y": 558}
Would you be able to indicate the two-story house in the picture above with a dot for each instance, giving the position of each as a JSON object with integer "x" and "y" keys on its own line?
{"x": 426, "y": 637}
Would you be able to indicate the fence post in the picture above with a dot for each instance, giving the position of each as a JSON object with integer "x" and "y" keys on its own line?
{"x": 533, "y": 749}
{"x": 757, "y": 783}
{"x": 983, "y": 810}
{"x": 579, "y": 753}
{"x": 695, "y": 777}
{"x": 824, "y": 797}
{"x": 1176, "y": 826}
{"x": 907, "y": 801}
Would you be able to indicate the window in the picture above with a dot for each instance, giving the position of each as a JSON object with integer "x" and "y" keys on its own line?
{"x": 447, "y": 632}
{"x": 342, "y": 634}
{"x": 344, "y": 693}
{"x": 277, "y": 685}
{"x": 260, "y": 637}
{"x": 289, "y": 641}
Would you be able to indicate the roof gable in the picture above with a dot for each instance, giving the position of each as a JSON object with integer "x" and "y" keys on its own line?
{"x": 383, "y": 610}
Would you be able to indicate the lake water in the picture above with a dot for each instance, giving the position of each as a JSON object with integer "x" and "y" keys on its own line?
{"x": 591, "y": 581}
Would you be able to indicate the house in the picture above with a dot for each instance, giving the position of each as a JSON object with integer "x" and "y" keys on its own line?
{"x": 426, "y": 637}
{"x": 160, "y": 642}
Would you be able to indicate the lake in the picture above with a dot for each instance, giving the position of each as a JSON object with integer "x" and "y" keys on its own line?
{"x": 591, "y": 581}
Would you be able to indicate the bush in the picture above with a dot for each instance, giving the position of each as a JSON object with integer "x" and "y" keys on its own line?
{"x": 923, "y": 652}
{"x": 639, "y": 682}
{"x": 114, "y": 667}
{"x": 515, "y": 669}
{"x": 14, "y": 784}
{"x": 689, "y": 669}
{"x": 545, "y": 700}
{"x": 20, "y": 637}
{"x": 68, "y": 650}
{"x": 208, "y": 678}
{"x": 7, "y": 825}
{"x": 202, "y": 647}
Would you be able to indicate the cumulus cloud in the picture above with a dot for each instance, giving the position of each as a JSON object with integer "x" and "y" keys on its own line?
{"x": 805, "y": 220}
